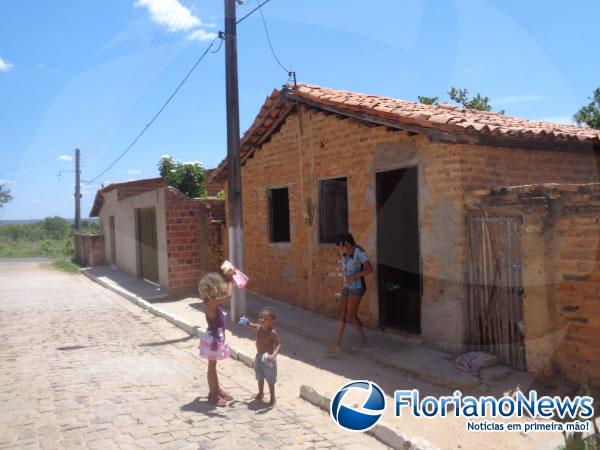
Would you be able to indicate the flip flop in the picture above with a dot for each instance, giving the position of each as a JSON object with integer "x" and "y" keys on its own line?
{"x": 333, "y": 353}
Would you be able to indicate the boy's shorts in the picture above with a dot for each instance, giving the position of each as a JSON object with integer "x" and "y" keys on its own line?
{"x": 263, "y": 371}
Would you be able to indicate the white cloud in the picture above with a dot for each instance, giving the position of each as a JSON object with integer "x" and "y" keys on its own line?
{"x": 165, "y": 156}
{"x": 65, "y": 158}
{"x": 5, "y": 66}
{"x": 134, "y": 171}
{"x": 170, "y": 13}
{"x": 4, "y": 181}
{"x": 201, "y": 35}
{"x": 41, "y": 65}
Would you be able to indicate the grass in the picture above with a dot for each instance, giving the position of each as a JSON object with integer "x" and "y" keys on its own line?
{"x": 65, "y": 266}
{"x": 23, "y": 248}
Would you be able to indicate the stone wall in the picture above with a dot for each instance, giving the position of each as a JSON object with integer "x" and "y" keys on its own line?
{"x": 311, "y": 146}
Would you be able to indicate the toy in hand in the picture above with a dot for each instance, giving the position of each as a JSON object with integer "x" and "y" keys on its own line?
{"x": 240, "y": 279}
{"x": 244, "y": 321}
{"x": 268, "y": 360}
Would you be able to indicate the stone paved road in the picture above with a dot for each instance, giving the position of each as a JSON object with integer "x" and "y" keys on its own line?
{"x": 84, "y": 368}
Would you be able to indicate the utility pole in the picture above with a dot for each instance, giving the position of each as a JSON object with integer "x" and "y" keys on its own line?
{"x": 77, "y": 225}
{"x": 234, "y": 177}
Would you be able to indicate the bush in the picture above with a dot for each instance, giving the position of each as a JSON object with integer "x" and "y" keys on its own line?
{"x": 187, "y": 177}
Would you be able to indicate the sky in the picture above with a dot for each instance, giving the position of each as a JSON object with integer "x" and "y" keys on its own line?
{"x": 92, "y": 74}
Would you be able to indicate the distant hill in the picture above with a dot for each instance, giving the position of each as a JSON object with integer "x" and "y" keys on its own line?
{"x": 26, "y": 222}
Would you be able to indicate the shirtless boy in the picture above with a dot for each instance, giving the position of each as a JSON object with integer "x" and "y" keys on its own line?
{"x": 268, "y": 346}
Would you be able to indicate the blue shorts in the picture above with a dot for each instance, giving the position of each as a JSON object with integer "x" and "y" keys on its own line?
{"x": 263, "y": 371}
{"x": 356, "y": 292}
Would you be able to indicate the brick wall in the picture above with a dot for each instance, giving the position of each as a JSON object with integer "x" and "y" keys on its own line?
{"x": 194, "y": 241}
{"x": 561, "y": 275}
{"x": 89, "y": 249}
{"x": 321, "y": 145}
{"x": 577, "y": 234}
{"x": 213, "y": 185}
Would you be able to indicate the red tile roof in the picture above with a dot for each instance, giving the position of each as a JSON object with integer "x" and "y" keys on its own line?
{"x": 442, "y": 117}
{"x": 444, "y": 122}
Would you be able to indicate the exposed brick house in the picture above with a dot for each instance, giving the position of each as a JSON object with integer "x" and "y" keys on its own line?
{"x": 155, "y": 232}
{"x": 396, "y": 174}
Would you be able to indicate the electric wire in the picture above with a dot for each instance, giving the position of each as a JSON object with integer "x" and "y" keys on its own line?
{"x": 28, "y": 165}
{"x": 156, "y": 115}
{"x": 185, "y": 79}
{"x": 152, "y": 62}
{"x": 288, "y": 71}
{"x": 253, "y": 11}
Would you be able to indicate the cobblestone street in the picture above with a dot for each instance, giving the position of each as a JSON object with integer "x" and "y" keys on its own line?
{"x": 84, "y": 368}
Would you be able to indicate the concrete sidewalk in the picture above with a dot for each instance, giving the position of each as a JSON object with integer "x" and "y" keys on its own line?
{"x": 399, "y": 364}
{"x": 407, "y": 355}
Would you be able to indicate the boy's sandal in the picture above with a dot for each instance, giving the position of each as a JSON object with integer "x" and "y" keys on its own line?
{"x": 216, "y": 400}
{"x": 224, "y": 395}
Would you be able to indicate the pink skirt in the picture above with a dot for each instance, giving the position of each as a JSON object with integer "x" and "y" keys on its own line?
{"x": 206, "y": 350}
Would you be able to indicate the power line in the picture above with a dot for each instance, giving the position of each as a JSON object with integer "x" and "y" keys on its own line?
{"x": 288, "y": 71}
{"x": 151, "y": 63}
{"x": 181, "y": 84}
{"x": 141, "y": 133}
{"x": 253, "y": 11}
{"x": 28, "y": 165}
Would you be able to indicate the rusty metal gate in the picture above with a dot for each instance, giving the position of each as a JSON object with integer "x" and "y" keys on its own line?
{"x": 495, "y": 288}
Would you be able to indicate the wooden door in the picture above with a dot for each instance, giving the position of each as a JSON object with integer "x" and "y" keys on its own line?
{"x": 495, "y": 288}
{"x": 148, "y": 244}
{"x": 113, "y": 240}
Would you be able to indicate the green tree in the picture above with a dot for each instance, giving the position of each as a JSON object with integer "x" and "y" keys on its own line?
{"x": 590, "y": 114}
{"x": 461, "y": 96}
{"x": 428, "y": 100}
{"x": 56, "y": 227}
{"x": 5, "y": 196}
{"x": 479, "y": 103}
{"x": 187, "y": 177}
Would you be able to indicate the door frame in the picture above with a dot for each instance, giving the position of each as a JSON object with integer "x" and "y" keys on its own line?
{"x": 113, "y": 239}
{"x": 138, "y": 243}
{"x": 391, "y": 168}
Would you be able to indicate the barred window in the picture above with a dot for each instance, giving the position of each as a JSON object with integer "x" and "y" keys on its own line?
{"x": 333, "y": 209}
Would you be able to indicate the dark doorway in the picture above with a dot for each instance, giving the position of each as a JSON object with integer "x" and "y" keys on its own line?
{"x": 398, "y": 251}
{"x": 279, "y": 215}
{"x": 148, "y": 244}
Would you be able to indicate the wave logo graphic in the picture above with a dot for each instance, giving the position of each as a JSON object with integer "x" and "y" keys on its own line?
{"x": 355, "y": 417}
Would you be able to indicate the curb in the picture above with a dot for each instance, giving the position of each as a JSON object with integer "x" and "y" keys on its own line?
{"x": 382, "y": 433}
{"x": 464, "y": 384}
{"x": 180, "y": 323}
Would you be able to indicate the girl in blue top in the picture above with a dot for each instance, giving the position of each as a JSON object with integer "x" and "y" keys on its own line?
{"x": 356, "y": 267}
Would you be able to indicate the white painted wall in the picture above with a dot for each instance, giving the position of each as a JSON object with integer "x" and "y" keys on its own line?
{"x": 125, "y": 230}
